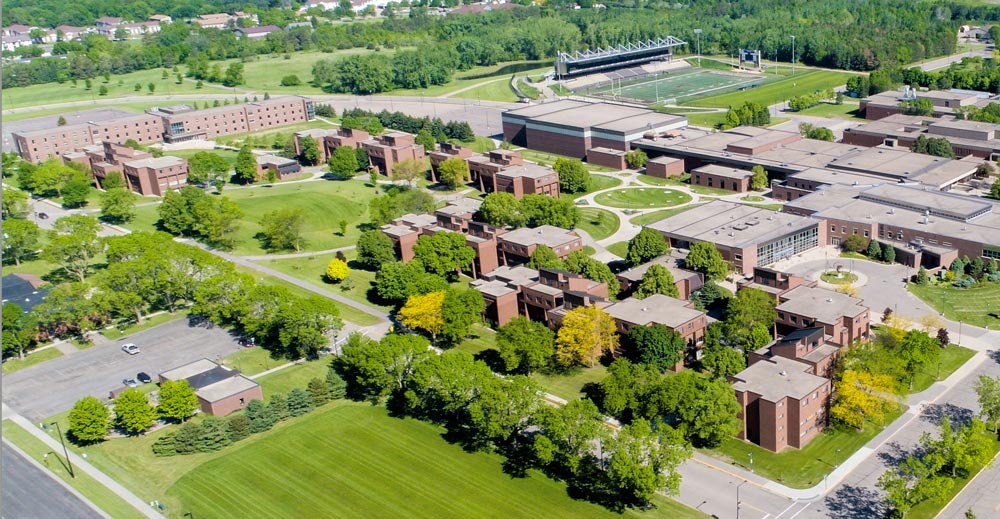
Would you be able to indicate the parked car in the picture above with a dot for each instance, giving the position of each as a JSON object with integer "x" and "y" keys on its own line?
{"x": 130, "y": 348}
{"x": 130, "y": 382}
{"x": 43, "y": 216}
{"x": 246, "y": 342}
{"x": 143, "y": 377}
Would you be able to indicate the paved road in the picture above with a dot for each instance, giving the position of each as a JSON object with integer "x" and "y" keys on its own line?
{"x": 717, "y": 493}
{"x": 45, "y": 389}
{"x": 982, "y": 495}
{"x": 28, "y": 492}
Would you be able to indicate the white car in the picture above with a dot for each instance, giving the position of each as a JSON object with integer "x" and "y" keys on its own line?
{"x": 130, "y": 348}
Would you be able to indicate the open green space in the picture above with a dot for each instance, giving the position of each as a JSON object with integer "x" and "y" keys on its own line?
{"x": 491, "y": 90}
{"x": 618, "y": 248}
{"x": 802, "y": 468}
{"x": 951, "y": 359}
{"x": 642, "y": 198}
{"x": 680, "y": 180}
{"x": 480, "y": 338}
{"x": 299, "y": 375}
{"x": 49, "y": 93}
{"x": 477, "y": 76}
{"x": 753, "y": 199}
{"x": 931, "y": 509}
{"x": 481, "y": 144}
{"x": 599, "y": 183}
{"x": 978, "y": 305}
{"x": 312, "y": 270}
{"x": 598, "y": 223}
{"x": 678, "y": 85}
{"x": 14, "y": 364}
{"x": 706, "y": 119}
{"x": 347, "y": 313}
{"x": 655, "y": 216}
{"x": 263, "y": 73}
{"x": 569, "y": 384}
{"x": 89, "y": 487}
{"x": 844, "y": 111}
{"x": 37, "y": 267}
{"x": 839, "y": 278}
{"x": 128, "y": 328}
{"x": 251, "y": 361}
{"x": 804, "y": 82}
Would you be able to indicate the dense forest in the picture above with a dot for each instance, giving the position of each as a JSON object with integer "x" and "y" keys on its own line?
{"x": 845, "y": 34}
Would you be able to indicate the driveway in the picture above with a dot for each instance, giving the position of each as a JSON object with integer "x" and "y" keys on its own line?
{"x": 54, "y": 386}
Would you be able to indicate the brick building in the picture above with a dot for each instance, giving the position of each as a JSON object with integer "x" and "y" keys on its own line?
{"x": 445, "y": 151}
{"x": 282, "y": 167}
{"x": 329, "y": 139}
{"x": 39, "y": 145}
{"x": 806, "y": 345}
{"x": 540, "y": 295}
{"x": 978, "y": 139}
{"x": 571, "y": 128}
{"x": 515, "y": 247}
{"x": 664, "y": 166}
{"x": 220, "y": 390}
{"x": 156, "y": 175}
{"x": 687, "y": 281}
{"x": 680, "y": 316}
{"x": 387, "y": 150}
{"x": 183, "y": 123}
{"x": 844, "y": 319}
{"x": 782, "y": 403}
{"x": 945, "y": 103}
{"x": 721, "y": 177}
{"x": 607, "y": 157}
{"x": 526, "y": 179}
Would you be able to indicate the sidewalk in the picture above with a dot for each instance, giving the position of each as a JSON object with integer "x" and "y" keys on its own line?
{"x": 83, "y": 465}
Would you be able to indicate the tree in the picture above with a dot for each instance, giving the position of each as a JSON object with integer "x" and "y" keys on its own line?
{"x": 409, "y": 170}
{"x": 133, "y": 413}
{"x": 246, "y": 166}
{"x": 723, "y": 361}
{"x": 205, "y": 167}
{"x": 958, "y": 451}
{"x": 636, "y": 159}
{"x": 586, "y": 334}
{"x": 888, "y": 253}
{"x": 397, "y": 281}
{"x": 102, "y": 91}
{"x": 578, "y": 262}
{"x": 874, "y": 250}
{"x": 539, "y": 210}
{"x": 942, "y": 337}
{"x": 988, "y": 393}
{"x": 61, "y": 121}
{"x": 657, "y": 346}
{"x": 502, "y": 209}
{"x": 912, "y": 482}
{"x": 234, "y": 74}
{"x": 706, "y": 409}
{"x": 995, "y": 189}
{"x": 19, "y": 330}
{"x": 88, "y": 420}
{"x": 525, "y": 345}
{"x": 860, "y": 397}
{"x": 73, "y": 243}
{"x": 76, "y": 189}
{"x": 214, "y": 435}
{"x": 443, "y": 253}
{"x": 453, "y": 172}
{"x": 238, "y": 427}
{"x": 642, "y": 462}
{"x": 310, "y": 151}
{"x": 922, "y": 277}
{"x": 118, "y": 205}
{"x": 544, "y": 257}
{"x": 749, "y": 312}
{"x": 278, "y": 406}
{"x": 425, "y": 139}
{"x": 336, "y": 384}
{"x": 375, "y": 249}
{"x": 573, "y": 176}
{"x": 375, "y": 369}
{"x": 567, "y": 434}
{"x": 854, "y": 243}
{"x": 460, "y": 309}
{"x": 343, "y": 161}
{"x": 20, "y": 239}
{"x": 657, "y": 280}
{"x": 15, "y": 203}
{"x": 423, "y": 312}
{"x": 646, "y": 245}
{"x": 705, "y": 258}
{"x": 282, "y": 229}
{"x": 151, "y": 87}
{"x": 758, "y": 180}
{"x": 261, "y": 416}
{"x": 319, "y": 392}
{"x": 177, "y": 400}
{"x": 337, "y": 270}
{"x": 707, "y": 296}
{"x": 299, "y": 402}
{"x": 291, "y": 80}
{"x": 918, "y": 350}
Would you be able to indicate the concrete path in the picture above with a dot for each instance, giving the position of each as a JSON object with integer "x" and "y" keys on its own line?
{"x": 82, "y": 464}
{"x": 292, "y": 255}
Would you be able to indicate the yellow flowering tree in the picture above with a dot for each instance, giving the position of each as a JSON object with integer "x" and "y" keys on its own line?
{"x": 423, "y": 312}
{"x": 587, "y": 333}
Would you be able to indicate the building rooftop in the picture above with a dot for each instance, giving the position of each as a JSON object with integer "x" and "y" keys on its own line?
{"x": 273, "y": 159}
{"x": 599, "y": 116}
{"x": 608, "y": 151}
{"x": 397, "y": 230}
{"x": 904, "y": 164}
{"x": 825, "y": 306}
{"x": 937, "y": 203}
{"x": 461, "y": 206}
{"x": 544, "y": 108}
{"x": 155, "y": 162}
{"x": 518, "y": 275}
{"x": 226, "y": 388}
{"x": 492, "y": 288}
{"x": 545, "y": 289}
{"x": 655, "y": 309}
{"x": 417, "y": 220}
{"x": 188, "y": 370}
{"x": 832, "y": 176}
{"x": 723, "y": 171}
{"x": 211, "y": 376}
{"x": 547, "y": 235}
{"x": 777, "y": 378}
{"x": 263, "y": 29}
{"x": 731, "y": 224}
{"x": 635, "y": 274}
{"x": 528, "y": 170}
{"x": 23, "y": 290}
{"x": 820, "y": 352}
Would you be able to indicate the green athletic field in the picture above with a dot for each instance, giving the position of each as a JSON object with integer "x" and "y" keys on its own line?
{"x": 680, "y": 84}
{"x": 353, "y": 460}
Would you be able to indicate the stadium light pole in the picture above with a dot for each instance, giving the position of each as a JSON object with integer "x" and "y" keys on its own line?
{"x": 697, "y": 33}
{"x": 793, "y": 55}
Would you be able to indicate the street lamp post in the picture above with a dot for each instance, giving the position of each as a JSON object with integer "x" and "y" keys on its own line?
{"x": 697, "y": 33}
{"x": 793, "y": 55}
{"x": 751, "y": 461}
{"x": 69, "y": 464}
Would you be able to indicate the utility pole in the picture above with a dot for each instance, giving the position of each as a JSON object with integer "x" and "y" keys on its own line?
{"x": 697, "y": 33}
{"x": 69, "y": 464}
{"x": 793, "y": 55}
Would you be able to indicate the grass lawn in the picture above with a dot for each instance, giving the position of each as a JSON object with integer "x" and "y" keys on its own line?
{"x": 481, "y": 338}
{"x": 853, "y": 255}
{"x": 125, "y": 329}
{"x": 299, "y": 375}
{"x": 618, "y": 248}
{"x": 839, "y": 278}
{"x": 37, "y": 267}
{"x": 775, "y": 91}
{"x": 706, "y": 119}
{"x": 680, "y": 180}
{"x": 13, "y": 364}
{"x": 845, "y": 111}
{"x": 639, "y": 198}
{"x": 476, "y": 76}
{"x": 97, "y": 493}
{"x": 264, "y": 73}
{"x": 655, "y": 216}
{"x": 951, "y": 359}
{"x": 312, "y": 269}
{"x": 267, "y": 136}
{"x": 49, "y": 93}
{"x": 545, "y": 158}
{"x": 932, "y": 509}
{"x": 251, "y": 361}
{"x": 569, "y": 385}
{"x": 481, "y": 144}
{"x": 753, "y": 199}
{"x": 347, "y": 313}
{"x": 598, "y": 223}
{"x": 491, "y": 90}
{"x": 801, "y": 468}
{"x": 978, "y": 305}
{"x": 359, "y": 462}
{"x": 600, "y": 183}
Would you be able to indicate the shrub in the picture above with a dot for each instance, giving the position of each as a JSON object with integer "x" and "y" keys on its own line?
{"x": 239, "y": 427}
{"x": 261, "y": 416}
{"x": 299, "y": 402}
{"x": 337, "y": 385}
{"x": 186, "y": 439}
{"x": 278, "y": 406}
{"x": 214, "y": 434}
{"x": 319, "y": 392}
{"x": 165, "y": 445}
{"x": 291, "y": 80}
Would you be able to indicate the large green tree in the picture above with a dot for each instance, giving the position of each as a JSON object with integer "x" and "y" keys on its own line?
{"x": 282, "y": 229}
{"x": 460, "y": 310}
{"x": 205, "y": 167}
{"x": 525, "y": 345}
{"x": 657, "y": 280}
{"x": 20, "y": 239}
{"x": 643, "y": 462}
{"x": 376, "y": 369}
{"x": 375, "y": 249}
{"x": 177, "y": 400}
{"x": 15, "y": 203}
{"x": 76, "y": 189}
{"x": 343, "y": 162}
{"x": 747, "y": 312}
{"x": 705, "y": 258}
{"x": 646, "y": 245}
{"x": 310, "y": 151}
{"x": 18, "y": 331}
{"x": 88, "y": 420}
{"x": 545, "y": 210}
{"x": 578, "y": 262}
{"x": 444, "y": 253}
{"x": 722, "y": 361}
{"x": 118, "y": 205}
{"x": 918, "y": 350}
{"x": 988, "y": 393}
{"x": 544, "y": 257}
{"x": 133, "y": 412}
{"x": 656, "y": 345}
{"x": 245, "y": 171}
{"x": 573, "y": 176}
{"x": 502, "y": 209}
{"x": 453, "y": 172}
{"x": 73, "y": 244}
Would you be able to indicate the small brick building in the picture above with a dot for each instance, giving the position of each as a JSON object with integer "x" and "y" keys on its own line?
{"x": 220, "y": 390}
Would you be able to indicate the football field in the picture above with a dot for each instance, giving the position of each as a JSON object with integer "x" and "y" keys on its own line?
{"x": 676, "y": 86}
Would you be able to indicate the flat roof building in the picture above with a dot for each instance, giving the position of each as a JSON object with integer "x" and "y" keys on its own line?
{"x": 722, "y": 177}
{"x": 680, "y": 316}
{"x": 220, "y": 390}
{"x": 844, "y": 319}
{"x": 184, "y": 124}
{"x": 41, "y": 144}
{"x": 978, "y": 139}
{"x": 945, "y": 102}
{"x": 687, "y": 281}
{"x": 155, "y": 175}
{"x": 520, "y": 180}
{"x": 389, "y": 149}
{"x": 516, "y": 246}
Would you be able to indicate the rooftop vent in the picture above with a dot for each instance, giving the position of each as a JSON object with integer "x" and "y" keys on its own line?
{"x": 783, "y": 373}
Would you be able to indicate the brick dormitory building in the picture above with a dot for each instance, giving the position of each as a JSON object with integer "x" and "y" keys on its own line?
{"x": 143, "y": 173}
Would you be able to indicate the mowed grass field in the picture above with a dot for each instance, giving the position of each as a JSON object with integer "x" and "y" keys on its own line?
{"x": 353, "y": 460}
{"x": 642, "y": 198}
{"x": 979, "y": 306}
{"x": 598, "y": 223}
{"x": 776, "y": 91}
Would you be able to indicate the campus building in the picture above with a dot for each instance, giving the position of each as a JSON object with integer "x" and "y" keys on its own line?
{"x": 680, "y": 316}
{"x": 526, "y": 179}
{"x": 389, "y": 149}
{"x": 572, "y": 128}
{"x": 445, "y": 151}
{"x": 143, "y": 173}
{"x": 843, "y": 319}
{"x": 722, "y": 177}
{"x": 967, "y": 138}
{"x": 782, "y": 403}
{"x": 42, "y": 144}
{"x": 945, "y": 102}
{"x": 926, "y": 228}
{"x": 515, "y": 247}
{"x": 745, "y": 235}
{"x": 220, "y": 390}
{"x": 282, "y": 167}
{"x": 806, "y": 345}
{"x": 329, "y": 139}
{"x": 687, "y": 281}
{"x": 183, "y": 123}
{"x": 541, "y": 295}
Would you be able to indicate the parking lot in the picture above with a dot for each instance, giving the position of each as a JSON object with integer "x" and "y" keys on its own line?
{"x": 54, "y": 386}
